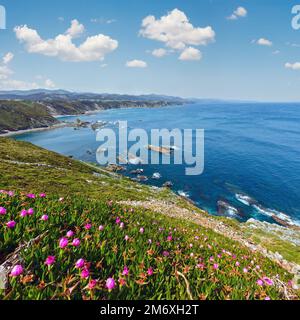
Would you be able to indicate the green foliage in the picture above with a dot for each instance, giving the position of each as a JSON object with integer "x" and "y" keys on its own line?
{"x": 212, "y": 265}
{"x": 20, "y": 115}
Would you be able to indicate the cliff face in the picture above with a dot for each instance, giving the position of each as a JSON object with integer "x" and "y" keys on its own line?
{"x": 21, "y": 115}
{"x": 63, "y": 107}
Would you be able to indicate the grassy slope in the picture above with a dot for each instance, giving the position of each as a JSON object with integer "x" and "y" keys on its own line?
{"x": 19, "y": 115}
{"x": 23, "y": 168}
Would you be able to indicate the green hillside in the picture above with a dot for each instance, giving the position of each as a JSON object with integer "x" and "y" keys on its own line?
{"x": 136, "y": 242}
{"x": 20, "y": 115}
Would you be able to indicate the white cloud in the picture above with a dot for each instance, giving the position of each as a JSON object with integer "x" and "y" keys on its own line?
{"x": 293, "y": 66}
{"x": 5, "y": 72}
{"x": 264, "y": 42}
{"x": 240, "y": 12}
{"x": 7, "y": 83}
{"x": 7, "y": 58}
{"x": 159, "y": 52}
{"x": 102, "y": 20}
{"x": 175, "y": 30}
{"x": 190, "y": 54}
{"x": 94, "y": 48}
{"x": 275, "y": 52}
{"x": 136, "y": 64}
{"x": 76, "y": 29}
{"x": 49, "y": 84}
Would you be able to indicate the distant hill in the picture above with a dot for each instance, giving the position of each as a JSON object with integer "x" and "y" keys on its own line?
{"x": 46, "y": 95}
{"x": 21, "y": 110}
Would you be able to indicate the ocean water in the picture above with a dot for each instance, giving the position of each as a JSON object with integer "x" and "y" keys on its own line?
{"x": 252, "y": 154}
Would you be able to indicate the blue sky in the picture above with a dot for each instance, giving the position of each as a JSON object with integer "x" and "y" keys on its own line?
{"x": 253, "y": 55}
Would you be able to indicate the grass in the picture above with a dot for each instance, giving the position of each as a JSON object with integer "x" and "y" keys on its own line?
{"x": 212, "y": 265}
{"x": 20, "y": 115}
{"x": 200, "y": 263}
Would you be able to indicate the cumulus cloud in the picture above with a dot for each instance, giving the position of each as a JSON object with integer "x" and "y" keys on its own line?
{"x": 190, "y": 54}
{"x": 136, "y": 64}
{"x": 49, "y": 84}
{"x": 94, "y": 48}
{"x": 240, "y": 12}
{"x": 159, "y": 52}
{"x": 264, "y": 42}
{"x": 293, "y": 66}
{"x": 76, "y": 29}
{"x": 7, "y": 58}
{"x": 175, "y": 31}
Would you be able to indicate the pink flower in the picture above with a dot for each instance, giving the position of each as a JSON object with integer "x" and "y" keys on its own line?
{"x": 11, "y": 224}
{"x": 237, "y": 264}
{"x": 80, "y": 263}
{"x": 16, "y": 271}
{"x": 2, "y": 211}
{"x": 150, "y": 271}
{"x": 50, "y": 260}
{"x": 118, "y": 220}
{"x": 44, "y": 217}
{"x": 267, "y": 298}
{"x": 122, "y": 225}
{"x": 125, "y": 271}
{"x": 150, "y": 241}
{"x": 30, "y": 212}
{"x": 11, "y": 193}
{"x": 85, "y": 273}
{"x": 245, "y": 270}
{"x": 260, "y": 282}
{"x": 216, "y": 266}
{"x": 63, "y": 242}
{"x": 110, "y": 284}
{"x": 211, "y": 258}
{"x": 169, "y": 238}
{"x": 88, "y": 226}
{"x": 166, "y": 253}
{"x": 76, "y": 242}
{"x": 92, "y": 284}
{"x": 126, "y": 238}
{"x": 268, "y": 281}
{"x": 191, "y": 245}
{"x": 31, "y": 196}
{"x": 23, "y": 213}
{"x": 142, "y": 230}
{"x": 70, "y": 234}
{"x": 101, "y": 228}
{"x": 42, "y": 195}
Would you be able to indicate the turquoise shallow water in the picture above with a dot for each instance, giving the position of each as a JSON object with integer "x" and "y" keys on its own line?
{"x": 251, "y": 149}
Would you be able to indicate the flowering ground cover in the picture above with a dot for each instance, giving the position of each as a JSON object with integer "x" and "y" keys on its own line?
{"x": 89, "y": 249}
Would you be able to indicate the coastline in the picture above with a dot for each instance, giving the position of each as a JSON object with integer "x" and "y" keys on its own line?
{"x": 65, "y": 124}
{"x": 19, "y": 132}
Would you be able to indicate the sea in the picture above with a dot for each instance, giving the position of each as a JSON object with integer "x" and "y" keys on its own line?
{"x": 251, "y": 154}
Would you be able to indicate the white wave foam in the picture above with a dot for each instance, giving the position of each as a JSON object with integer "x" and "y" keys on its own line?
{"x": 183, "y": 194}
